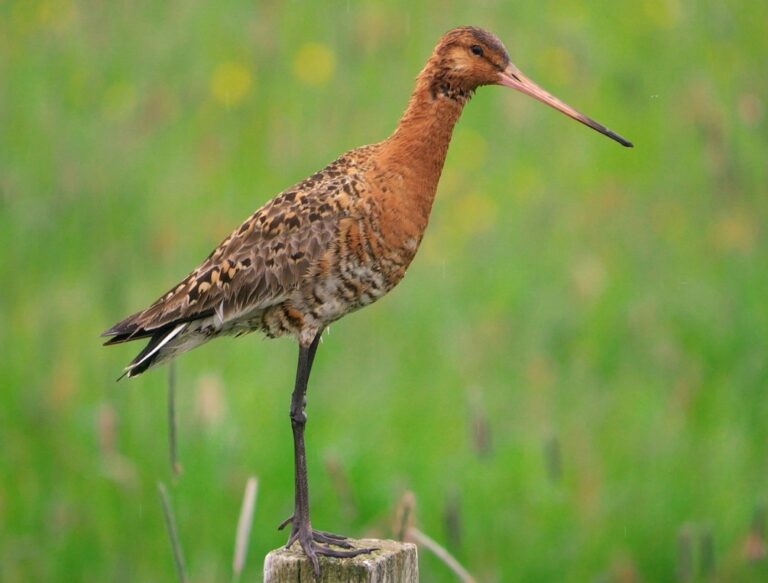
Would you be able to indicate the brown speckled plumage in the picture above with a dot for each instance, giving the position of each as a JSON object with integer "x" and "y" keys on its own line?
{"x": 343, "y": 237}
{"x": 299, "y": 262}
{"x": 331, "y": 244}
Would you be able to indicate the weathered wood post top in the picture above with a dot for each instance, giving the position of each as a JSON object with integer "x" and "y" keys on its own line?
{"x": 391, "y": 562}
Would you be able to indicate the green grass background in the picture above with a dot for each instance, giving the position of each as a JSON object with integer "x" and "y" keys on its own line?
{"x": 570, "y": 379}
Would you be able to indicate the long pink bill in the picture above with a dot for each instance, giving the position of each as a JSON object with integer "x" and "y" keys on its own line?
{"x": 512, "y": 77}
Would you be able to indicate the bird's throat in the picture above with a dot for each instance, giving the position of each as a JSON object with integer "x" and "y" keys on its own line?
{"x": 418, "y": 146}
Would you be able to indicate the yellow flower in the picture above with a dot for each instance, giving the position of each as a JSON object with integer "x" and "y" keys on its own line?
{"x": 314, "y": 64}
{"x": 231, "y": 82}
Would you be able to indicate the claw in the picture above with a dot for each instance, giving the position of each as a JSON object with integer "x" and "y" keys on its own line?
{"x": 285, "y": 522}
{"x": 311, "y": 547}
{"x": 292, "y": 539}
{"x": 317, "y": 542}
{"x": 321, "y": 537}
{"x": 332, "y": 535}
{"x": 343, "y": 554}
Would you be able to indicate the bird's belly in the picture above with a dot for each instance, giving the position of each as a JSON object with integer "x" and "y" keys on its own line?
{"x": 346, "y": 283}
{"x": 350, "y": 288}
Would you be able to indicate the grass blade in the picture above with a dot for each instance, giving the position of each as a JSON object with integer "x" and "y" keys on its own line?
{"x": 404, "y": 515}
{"x": 244, "y": 527}
{"x": 423, "y": 540}
{"x": 172, "y": 425}
{"x": 173, "y": 535}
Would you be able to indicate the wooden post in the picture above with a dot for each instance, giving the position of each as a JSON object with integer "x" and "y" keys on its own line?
{"x": 391, "y": 562}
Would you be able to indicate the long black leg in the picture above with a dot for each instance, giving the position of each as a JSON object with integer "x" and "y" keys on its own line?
{"x": 301, "y": 527}
{"x": 298, "y": 422}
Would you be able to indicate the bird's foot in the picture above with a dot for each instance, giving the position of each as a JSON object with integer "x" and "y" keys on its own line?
{"x": 316, "y": 542}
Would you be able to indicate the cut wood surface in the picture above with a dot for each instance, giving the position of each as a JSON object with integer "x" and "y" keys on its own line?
{"x": 391, "y": 562}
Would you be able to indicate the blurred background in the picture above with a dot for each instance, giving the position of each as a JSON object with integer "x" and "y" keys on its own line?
{"x": 571, "y": 378}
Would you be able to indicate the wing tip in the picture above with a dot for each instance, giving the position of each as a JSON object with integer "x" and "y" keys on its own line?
{"x": 125, "y": 327}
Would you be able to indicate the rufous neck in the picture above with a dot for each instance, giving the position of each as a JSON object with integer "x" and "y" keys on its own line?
{"x": 424, "y": 131}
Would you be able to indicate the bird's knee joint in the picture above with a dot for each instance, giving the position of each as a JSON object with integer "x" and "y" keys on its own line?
{"x": 298, "y": 418}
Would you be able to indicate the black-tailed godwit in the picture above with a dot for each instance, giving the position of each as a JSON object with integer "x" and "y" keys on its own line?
{"x": 332, "y": 243}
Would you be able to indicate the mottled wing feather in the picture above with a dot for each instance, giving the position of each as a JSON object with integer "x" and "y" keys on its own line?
{"x": 258, "y": 265}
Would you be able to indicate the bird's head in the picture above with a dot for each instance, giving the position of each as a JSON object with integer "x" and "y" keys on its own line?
{"x": 469, "y": 57}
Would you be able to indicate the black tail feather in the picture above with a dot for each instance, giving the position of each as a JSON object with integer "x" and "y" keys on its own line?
{"x": 133, "y": 368}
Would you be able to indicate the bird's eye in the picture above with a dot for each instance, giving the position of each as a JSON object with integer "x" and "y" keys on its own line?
{"x": 476, "y": 50}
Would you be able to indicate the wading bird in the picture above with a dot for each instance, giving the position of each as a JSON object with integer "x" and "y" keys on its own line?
{"x": 331, "y": 244}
